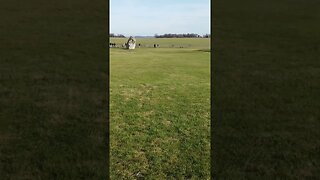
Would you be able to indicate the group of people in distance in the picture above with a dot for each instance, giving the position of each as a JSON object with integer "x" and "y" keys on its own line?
{"x": 112, "y": 44}
{"x": 125, "y": 45}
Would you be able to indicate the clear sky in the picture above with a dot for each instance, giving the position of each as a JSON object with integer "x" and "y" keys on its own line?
{"x": 149, "y": 17}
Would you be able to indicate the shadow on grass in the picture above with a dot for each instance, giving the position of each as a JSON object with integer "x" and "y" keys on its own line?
{"x": 203, "y": 50}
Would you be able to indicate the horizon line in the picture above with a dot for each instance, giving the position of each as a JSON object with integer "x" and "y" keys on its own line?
{"x": 157, "y": 34}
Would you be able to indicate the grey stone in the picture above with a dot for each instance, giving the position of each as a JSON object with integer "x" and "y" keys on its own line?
{"x": 131, "y": 44}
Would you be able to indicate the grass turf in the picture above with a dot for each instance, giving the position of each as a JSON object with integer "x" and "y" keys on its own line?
{"x": 160, "y": 110}
{"x": 53, "y": 73}
{"x": 266, "y": 102}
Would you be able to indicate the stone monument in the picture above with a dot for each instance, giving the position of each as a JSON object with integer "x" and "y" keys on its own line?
{"x": 131, "y": 44}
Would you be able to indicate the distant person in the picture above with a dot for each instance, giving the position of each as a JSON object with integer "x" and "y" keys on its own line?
{"x": 154, "y": 45}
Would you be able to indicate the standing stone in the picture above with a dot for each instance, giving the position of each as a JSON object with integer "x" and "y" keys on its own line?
{"x": 131, "y": 44}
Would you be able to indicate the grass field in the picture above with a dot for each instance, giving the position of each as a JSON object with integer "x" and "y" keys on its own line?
{"x": 266, "y": 74}
{"x": 160, "y": 110}
{"x": 53, "y": 79}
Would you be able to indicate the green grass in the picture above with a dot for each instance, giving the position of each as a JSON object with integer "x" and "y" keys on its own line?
{"x": 53, "y": 73}
{"x": 266, "y": 75}
{"x": 160, "y": 111}
{"x": 196, "y": 43}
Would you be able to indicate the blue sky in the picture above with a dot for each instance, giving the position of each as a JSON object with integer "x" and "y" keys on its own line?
{"x": 148, "y": 17}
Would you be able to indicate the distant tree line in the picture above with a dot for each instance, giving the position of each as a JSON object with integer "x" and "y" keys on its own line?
{"x": 189, "y": 35}
{"x": 117, "y": 35}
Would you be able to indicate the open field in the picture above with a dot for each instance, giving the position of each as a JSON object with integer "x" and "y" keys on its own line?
{"x": 160, "y": 110}
{"x": 194, "y": 43}
{"x": 266, "y": 89}
{"x": 53, "y": 105}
